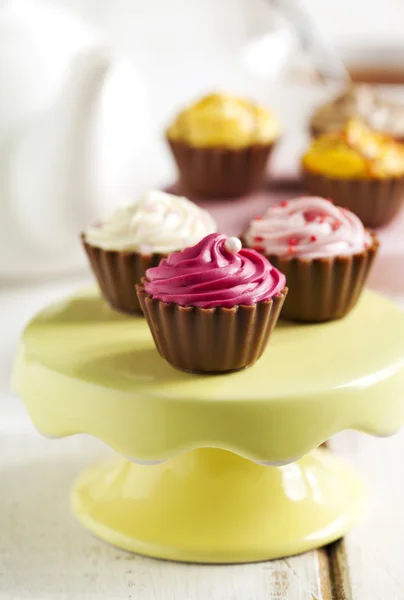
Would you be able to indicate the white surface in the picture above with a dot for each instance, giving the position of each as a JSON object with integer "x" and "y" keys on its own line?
{"x": 45, "y": 555}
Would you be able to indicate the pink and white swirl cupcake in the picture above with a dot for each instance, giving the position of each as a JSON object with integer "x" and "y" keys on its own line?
{"x": 211, "y": 307}
{"x": 324, "y": 251}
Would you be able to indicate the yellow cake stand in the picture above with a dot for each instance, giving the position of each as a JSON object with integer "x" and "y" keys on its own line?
{"x": 214, "y": 468}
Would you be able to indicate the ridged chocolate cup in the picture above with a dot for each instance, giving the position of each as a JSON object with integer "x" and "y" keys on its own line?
{"x": 210, "y": 340}
{"x": 324, "y": 289}
{"x": 375, "y": 201}
{"x": 117, "y": 274}
{"x": 315, "y": 132}
{"x": 220, "y": 172}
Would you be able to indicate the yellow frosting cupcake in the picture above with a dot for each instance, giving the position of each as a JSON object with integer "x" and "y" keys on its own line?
{"x": 222, "y": 145}
{"x": 359, "y": 169}
{"x": 359, "y": 101}
{"x": 355, "y": 152}
{"x": 224, "y": 120}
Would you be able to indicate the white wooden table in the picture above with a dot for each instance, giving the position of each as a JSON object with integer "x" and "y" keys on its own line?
{"x": 45, "y": 555}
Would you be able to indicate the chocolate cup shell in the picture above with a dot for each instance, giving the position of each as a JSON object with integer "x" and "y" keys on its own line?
{"x": 324, "y": 289}
{"x": 315, "y": 132}
{"x": 210, "y": 340}
{"x": 375, "y": 201}
{"x": 117, "y": 273}
{"x": 220, "y": 172}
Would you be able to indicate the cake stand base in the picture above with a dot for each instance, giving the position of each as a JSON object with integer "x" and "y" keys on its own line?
{"x": 212, "y": 506}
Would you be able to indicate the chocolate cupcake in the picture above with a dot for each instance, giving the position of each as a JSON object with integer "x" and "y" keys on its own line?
{"x": 364, "y": 102}
{"x": 323, "y": 250}
{"x": 136, "y": 237}
{"x": 222, "y": 145}
{"x": 359, "y": 169}
{"x": 211, "y": 308}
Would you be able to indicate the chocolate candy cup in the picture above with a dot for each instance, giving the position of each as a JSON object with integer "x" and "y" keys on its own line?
{"x": 117, "y": 274}
{"x": 324, "y": 289}
{"x": 375, "y": 201}
{"x": 220, "y": 172}
{"x": 210, "y": 340}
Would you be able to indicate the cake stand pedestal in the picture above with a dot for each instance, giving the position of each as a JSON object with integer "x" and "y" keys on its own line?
{"x": 211, "y": 505}
{"x": 221, "y": 468}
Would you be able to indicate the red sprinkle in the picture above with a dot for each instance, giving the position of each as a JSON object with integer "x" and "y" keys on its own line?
{"x": 292, "y": 250}
{"x": 330, "y": 200}
{"x": 310, "y": 216}
{"x": 259, "y": 249}
{"x": 284, "y": 203}
{"x": 313, "y": 238}
{"x": 258, "y": 238}
{"x": 258, "y": 218}
{"x": 292, "y": 241}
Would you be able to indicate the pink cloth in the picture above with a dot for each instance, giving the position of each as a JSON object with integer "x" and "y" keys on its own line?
{"x": 233, "y": 216}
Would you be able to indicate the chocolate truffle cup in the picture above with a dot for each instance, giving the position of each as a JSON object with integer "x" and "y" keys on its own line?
{"x": 221, "y": 172}
{"x": 315, "y": 132}
{"x": 375, "y": 201}
{"x": 210, "y": 340}
{"x": 117, "y": 273}
{"x": 324, "y": 289}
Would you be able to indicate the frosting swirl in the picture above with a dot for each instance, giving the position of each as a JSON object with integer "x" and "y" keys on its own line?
{"x": 308, "y": 227}
{"x": 157, "y": 222}
{"x": 364, "y": 102}
{"x": 209, "y": 275}
{"x": 224, "y": 120}
{"x": 355, "y": 152}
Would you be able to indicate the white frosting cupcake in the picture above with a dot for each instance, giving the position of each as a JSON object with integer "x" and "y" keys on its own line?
{"x": 157, "y": 223}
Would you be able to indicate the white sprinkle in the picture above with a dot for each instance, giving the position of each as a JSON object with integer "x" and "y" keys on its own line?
{"x": 232, "y": 245}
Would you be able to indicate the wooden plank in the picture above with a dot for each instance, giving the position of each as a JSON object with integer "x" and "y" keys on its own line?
{"x": 324, "y": 574}
{"x": 338, "y": 571}
{"x": 374, "y": 550}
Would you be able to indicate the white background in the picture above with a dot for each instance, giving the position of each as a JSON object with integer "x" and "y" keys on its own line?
{"x": 183, "y": 48}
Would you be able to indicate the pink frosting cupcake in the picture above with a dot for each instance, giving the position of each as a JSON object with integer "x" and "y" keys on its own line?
{"x": 211, "y": 307}
{"x": 324, "y": 251}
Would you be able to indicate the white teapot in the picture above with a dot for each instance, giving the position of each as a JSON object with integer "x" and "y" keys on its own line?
{"x": 73, "y": 124}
